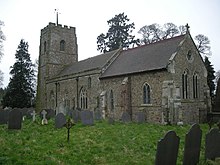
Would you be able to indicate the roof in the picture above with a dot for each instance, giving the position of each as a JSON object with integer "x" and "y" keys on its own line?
{"x": 96, "y": 62}
{"x": 144, "y": 58}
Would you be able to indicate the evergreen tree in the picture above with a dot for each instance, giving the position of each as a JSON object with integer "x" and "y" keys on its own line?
{"x": 20, "y": 91}
{"x": 210, "y": 76}
{"x": 118, "y": 35}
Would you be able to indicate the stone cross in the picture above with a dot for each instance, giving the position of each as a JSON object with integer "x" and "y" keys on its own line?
{"x": 33, "y": 114}
{"x": 44, "y": 120}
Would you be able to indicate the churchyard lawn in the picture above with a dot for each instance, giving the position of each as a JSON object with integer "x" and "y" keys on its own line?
{"x": 101, "y": 144}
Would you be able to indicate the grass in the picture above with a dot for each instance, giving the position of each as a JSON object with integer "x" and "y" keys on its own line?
{"x": 101, "y": 144}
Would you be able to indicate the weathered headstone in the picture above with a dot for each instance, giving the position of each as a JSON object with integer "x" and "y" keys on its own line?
{"x": 60, "y": 120}
{"x": 44, "y": 120}
{"x": 15, "y": 119}
{"x": 126, "y": 118}
{"x": 140, "y": 117}
{"x": 167, "y": 149}
{"x": 3, "y": 119}
{"x": 33, "y": 114}
{"x": 111, "y": 120}
{"x": 212, "y": 144}
{"x": 192, "y": 145}
{"x": 98, "y": 116}
{"x": 87, "y": 117}
{"x": 76, "y": 116}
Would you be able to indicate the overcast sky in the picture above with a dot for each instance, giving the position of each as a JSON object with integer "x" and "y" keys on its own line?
{"x": 25, "y": 18}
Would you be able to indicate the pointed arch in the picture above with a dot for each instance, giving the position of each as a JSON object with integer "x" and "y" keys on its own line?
{"x": 185, "y": 84}
{"x": 83, "y": 98}
{"x": 62, "y": 45}
{"x": 195, "y": 86}
{"x": 146, "y": 94}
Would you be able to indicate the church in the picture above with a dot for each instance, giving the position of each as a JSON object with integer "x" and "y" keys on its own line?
{"x": 166, "y": 80}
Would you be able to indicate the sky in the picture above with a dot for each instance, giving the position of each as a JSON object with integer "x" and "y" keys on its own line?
{"x": 24, "y": 19}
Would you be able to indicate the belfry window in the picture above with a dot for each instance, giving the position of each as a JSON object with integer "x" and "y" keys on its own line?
{"x": 62, "y": 45}
{"x": 195, "y": 86}
{"x": 146, "y": 94}
{"x": 184, "y": 85}
{"x": 83, "y": 99}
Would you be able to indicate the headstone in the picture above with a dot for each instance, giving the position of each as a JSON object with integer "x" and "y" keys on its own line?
{"x": 3, "y": 119}
{"x": 60, "y": 120}
{"x": 44, "y": 120}
{"x": 126, "y": 118}
{"x": 212, "y": 144}
{"x": 111, "y": 120}
{"x": 76, "y": 116}
{"x": 15, "y": 119}
{"x": 140, "y": 117}
{"x": 167, "y": 149}
{"x": 33, "y": 114}
{"x": 192, "y": 145}
{"x": 69, "y": 125}
{"x": 98, "y": 115}
{"x": 87, "y": 117}
{"x": 29, "y": 113}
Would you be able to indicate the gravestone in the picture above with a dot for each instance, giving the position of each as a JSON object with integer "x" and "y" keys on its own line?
{"x": 111, "y": 120}
{"x": 29, "y": 113}
{"x": 44, "y": 120}
{"x": 140, "y": 117}
{"x": 212, "y": 144}
{"x": 15, "y": 119}
{"x": 167, "y": 149}
{"x": 126, "y": 118}
{"x": 60, "y": 120}
{"x": 76, "y": 116}
{"x": 3, "y": 119}
{"x": 33, "y": 114}
{"x": 98, "y": 115}
{"x": 87, "y": 117}
{"x": 192, "y": 145}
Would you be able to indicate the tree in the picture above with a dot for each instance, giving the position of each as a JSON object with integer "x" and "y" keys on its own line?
{"x": 155, "y": 32}
{"x": 118, "y": 35}
{"x": 20, "y": 92}
{"x": 203, "y": 45}
{"x": 2, "y": 38}
{"x": 210, "y": 76}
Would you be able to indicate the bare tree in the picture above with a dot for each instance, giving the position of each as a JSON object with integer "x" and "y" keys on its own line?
{"x": 1, "y": 78}
{"x": 203, "y": 43}
{"x": 2, "y": 38}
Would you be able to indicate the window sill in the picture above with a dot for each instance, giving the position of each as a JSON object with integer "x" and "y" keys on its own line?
{"x": 146, "y": 105}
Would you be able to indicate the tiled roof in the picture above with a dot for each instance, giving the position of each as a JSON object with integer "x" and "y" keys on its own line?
{"x": 144, "y": 58}
{"x": 92, "y": 63}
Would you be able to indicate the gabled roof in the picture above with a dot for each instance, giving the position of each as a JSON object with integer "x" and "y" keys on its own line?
{"x": 149, "y": 57}
{"x": 96, "y": 62}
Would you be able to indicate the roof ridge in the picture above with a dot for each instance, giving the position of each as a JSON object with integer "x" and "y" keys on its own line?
{"x": 157, "y": 42}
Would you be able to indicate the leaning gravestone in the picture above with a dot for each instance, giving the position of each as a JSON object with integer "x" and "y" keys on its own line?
{"x": 87, "y": 117}
{"x": 192, "y": 145}
{"x": 60, "y": 120}
{"x": 126, "y": 118}
{"x": 167, "y": 149}
{"x": 15, "y": 119}
{"x": 140, "y": 117}
{"x": 212, "y": 144}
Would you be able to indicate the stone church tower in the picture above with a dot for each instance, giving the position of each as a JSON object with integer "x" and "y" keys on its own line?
{"x": 58, "y": 48}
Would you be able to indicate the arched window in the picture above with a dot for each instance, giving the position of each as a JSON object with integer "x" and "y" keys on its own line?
{"x": 111, "y": 101}
{"x": 83, "y": 99}
{"x": 184, "y": 85}
{"x": 62, "y": 45}
{"x": 195, "y": 86}
{"x": 45, "y": 46}
{"x": 146, "y": 94}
